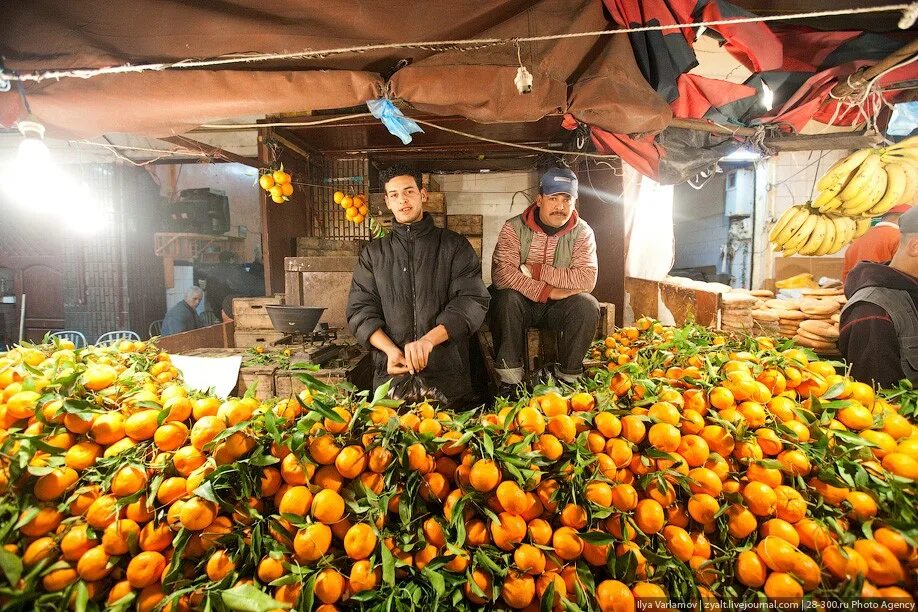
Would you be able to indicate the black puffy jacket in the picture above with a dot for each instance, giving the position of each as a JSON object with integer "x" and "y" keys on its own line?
{"x": 415, "y": 278}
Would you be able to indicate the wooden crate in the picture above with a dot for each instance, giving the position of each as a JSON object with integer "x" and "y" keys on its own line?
{"x": 467, "y": 225}
{"x": 326, "y": 247}
{"x": 261, "y": 377}
{"x": 475, "y": 241}
{"x": 541, "y": 345}
{"x": 436, "y": 202}
{"x": 321, "y": 281}
{"x": 429, "y": 182}
{"x": 251, "y": 314}
{"x": 256, "y": 337}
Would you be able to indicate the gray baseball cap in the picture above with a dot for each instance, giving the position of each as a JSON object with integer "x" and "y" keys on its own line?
{"x": 908, "y": 222}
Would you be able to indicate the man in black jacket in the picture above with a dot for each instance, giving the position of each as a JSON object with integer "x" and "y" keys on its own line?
{"x": 417, "y": 294}
{"x": 879, "y": 324}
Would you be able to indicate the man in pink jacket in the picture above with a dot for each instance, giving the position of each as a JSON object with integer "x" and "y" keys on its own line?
{"x": 543, "y": 270}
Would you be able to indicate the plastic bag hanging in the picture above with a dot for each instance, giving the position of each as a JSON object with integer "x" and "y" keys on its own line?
{"x": 398, "y": 124}
{"x": 412, "y": 389}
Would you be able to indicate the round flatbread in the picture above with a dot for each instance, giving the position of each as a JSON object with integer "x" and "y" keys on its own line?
{"x": 766, "y": 314}
{"x": 819, "y": 307}
{"x": 783, "y": 304}
{"x": 815, "y": 344}
{"x": 825, "y": 329}
{"x": 823, "y": 291}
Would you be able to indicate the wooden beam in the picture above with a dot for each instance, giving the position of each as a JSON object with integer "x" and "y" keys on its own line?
{"x": 794, "y": 142}
{"x": 287, "y": 142}
{"x": 707, "y": 126}
{"x": 862, "y": 76}
{"x": 217, "y": 152}
{"x": 824, "y": 142}
{"x": 295, "y": 143}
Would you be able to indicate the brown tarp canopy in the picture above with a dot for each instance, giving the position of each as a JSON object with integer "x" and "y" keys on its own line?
{"x": 595, "y": 78}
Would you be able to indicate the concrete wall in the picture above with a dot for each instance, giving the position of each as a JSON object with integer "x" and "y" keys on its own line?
{"x": 491, "y": 195}
{"x": 239, "y": 182}
{"x": 699, "y": 224}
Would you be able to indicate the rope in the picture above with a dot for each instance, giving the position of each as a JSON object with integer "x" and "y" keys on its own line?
{"x": 866, "y": 96}
{"x": 436, "y": 45}
{"x": 239, "y": 126}
{"x": 243, "y": 126}
{"x": 166, "y": 153}
{"x": 513, "y": 144}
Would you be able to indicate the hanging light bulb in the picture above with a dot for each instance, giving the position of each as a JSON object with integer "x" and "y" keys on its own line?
{"x": 33, "y": 152}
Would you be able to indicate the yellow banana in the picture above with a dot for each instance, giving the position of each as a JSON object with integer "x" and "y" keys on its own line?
{"x": 896, "y": 183}
{"x": 911, "y": 188}
{"x": 905, "y": 153}
{"x": 781, "y": 222}
{"x": 833, "y": 204}
{"x": 863, "y": 177}
{"x": 829, "y": 239}
{"x": 802, "y": 235}
{"x": 790, "y": 228}
{"x": 841, "y": 171}
{"x": 842, "y": 231}
{"x": 816, "y": 238}
{"x": 862, "y": 225}
{"x": 911, "y": 141}
{"x": 823, "y": 198}
{"x": 875, "y": 192}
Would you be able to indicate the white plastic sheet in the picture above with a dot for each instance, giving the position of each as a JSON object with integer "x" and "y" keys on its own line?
{"x": 649, "y": 241}
{"x": 203, "y": 373}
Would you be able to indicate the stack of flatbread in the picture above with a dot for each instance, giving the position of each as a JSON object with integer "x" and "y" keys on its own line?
{"x": 736, "y": 311}
{"x": 811, "y": 320}
{"x": 764, "y": 319}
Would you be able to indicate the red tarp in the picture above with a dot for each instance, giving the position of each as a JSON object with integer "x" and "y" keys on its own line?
{"x": 798, "y": 65}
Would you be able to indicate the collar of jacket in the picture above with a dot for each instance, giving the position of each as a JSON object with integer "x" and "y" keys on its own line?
{"x": 530, "y": 220}
{"x": 414, "y": 230}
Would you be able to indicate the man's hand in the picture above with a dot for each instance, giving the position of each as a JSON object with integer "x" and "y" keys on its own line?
{"x": 417, "y": 354}
{"x": 397, "y": 365}
{"x": 557, "y": 293}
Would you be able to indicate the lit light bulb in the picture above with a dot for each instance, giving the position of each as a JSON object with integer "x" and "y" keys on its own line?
{"x": 33, "y": 152}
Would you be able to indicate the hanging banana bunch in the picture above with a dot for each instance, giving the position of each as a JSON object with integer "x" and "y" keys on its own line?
{"x": 865, "y": 184}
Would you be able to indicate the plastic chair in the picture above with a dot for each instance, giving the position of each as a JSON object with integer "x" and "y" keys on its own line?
{"x": 78, "y": 339}
{"x": 156, "y": 328}
{"x": 115, "y": 336}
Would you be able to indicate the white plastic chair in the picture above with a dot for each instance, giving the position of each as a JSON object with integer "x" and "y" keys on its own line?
{"x": 78, "y": 339}
{"x": 116, "y": 336}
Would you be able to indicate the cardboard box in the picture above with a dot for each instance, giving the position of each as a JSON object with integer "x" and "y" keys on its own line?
{"x": 786, "y": 267}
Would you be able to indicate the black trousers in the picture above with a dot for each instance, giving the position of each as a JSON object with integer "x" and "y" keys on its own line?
{"x": 573, "y": 319}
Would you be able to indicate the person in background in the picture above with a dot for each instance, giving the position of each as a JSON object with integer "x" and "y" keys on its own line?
{"x": 544, "y": 268}
{"x": 183, "y": 316}
{"x": 879, "y": 244}
{"x": 879, "y": 324}
{"x": 228, "y": 279}
{"x": 417, "y": 295}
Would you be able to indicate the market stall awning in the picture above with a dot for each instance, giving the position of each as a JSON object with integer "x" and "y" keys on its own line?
{"x": 595, "y": 75}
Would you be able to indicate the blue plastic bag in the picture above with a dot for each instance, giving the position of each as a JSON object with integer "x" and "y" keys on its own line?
{"x": 398, "y": 124}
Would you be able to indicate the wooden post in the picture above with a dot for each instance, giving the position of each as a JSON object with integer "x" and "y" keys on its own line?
{"x": 862, "y": 76}
{"x": 600, "y": 204}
